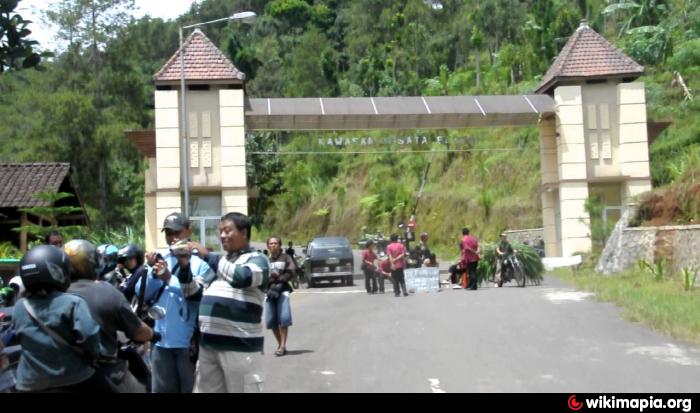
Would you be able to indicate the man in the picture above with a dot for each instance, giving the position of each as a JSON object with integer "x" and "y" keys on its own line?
{"x": 384, "y": 271}
{"x": 111, "y": 311}
{"x": 54, "y": 238}
{"x": 277, "y": 309}
{"x": 173, "y": 287}
{"x": 47, "y": 364}
{"x": 107, "y": 254}
{"x": 131, "y": 259}
{"x": 503, "y": 251}
{"x": 368, "y": 267}
{"x": 290, "y": 250}
{"x": 396, "y": 253}
{"x": 425, "y": 252}
{"x": 470, "y": 257}
{"x": 230, "y": 318}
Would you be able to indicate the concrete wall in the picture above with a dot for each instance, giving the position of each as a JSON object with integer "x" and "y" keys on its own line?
{"x": 573, "y": 185}
{"x": 204, "y": 138}
{"x": 600, "y": 114}
{"x": 550, "y": 181}
{"x": 233, "y": 157}
{"x": 634, "y": 145}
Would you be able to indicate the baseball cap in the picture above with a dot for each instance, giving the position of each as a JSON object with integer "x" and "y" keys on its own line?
{"x": 175, "y": 221}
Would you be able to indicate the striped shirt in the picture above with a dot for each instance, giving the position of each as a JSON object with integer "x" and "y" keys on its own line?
{"x": 230, "y": 316}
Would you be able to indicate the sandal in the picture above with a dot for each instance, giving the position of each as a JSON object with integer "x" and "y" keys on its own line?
{"x": 280, "y": 352}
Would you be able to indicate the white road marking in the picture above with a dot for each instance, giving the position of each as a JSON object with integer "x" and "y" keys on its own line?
{"x": 330, "y": 292}
{"x": 435, "y": 386}
{"x": 328, "y": 373}
{"x": 559, "y": 296}
{"x": 670, "y": 353}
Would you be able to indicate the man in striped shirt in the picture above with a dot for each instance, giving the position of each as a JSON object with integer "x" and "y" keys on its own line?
{"x": 231, "y": 344}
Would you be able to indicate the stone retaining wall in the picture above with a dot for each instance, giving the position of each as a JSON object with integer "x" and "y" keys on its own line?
{"x": 678, "y": 245}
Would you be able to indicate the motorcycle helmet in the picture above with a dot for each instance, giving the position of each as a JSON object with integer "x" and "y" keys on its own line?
{"x": 131, "y": 251}
{"x": 45, "y": 267}
{"x": 107, "y": 256}
{"x": 83, "y": 259}
{"x": 16, "y": 283}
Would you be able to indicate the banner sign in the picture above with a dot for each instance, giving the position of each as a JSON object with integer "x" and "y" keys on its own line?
{"x": 341, "y": 141}
{"x": 422, "y": 279}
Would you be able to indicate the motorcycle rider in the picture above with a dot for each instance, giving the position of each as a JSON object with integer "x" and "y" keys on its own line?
{"x": 60, "y": 339}
{"x": 503, "y": 251}
{"x": 131, "y": 267}
{"x": 111, "y": 311}
{"x": 107, "y": 254}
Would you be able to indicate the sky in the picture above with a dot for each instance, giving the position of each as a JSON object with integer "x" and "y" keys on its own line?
{"x": 44, "y": 34}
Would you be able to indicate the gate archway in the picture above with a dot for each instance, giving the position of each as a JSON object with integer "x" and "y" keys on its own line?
{"x": 590, "y": 112}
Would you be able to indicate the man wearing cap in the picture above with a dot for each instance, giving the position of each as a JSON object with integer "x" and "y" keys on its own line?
{"x": 503, "y": 251}
{"x": 174, "y": 291}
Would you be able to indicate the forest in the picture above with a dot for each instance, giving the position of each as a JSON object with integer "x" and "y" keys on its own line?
{"x": 75, "y": 105}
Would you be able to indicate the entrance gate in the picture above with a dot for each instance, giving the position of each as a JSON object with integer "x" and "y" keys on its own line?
{"x": 590, "y": 113}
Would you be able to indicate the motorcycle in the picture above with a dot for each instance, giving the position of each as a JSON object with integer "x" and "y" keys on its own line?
{"x": 299, "y": 276}
{"x": 512, "y": 269}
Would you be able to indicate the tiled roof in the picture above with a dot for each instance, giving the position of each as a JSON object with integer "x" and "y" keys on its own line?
{"x": 203, "y": 61}
{"x": 20, "y": 181}
{"x": 587, "y": 54}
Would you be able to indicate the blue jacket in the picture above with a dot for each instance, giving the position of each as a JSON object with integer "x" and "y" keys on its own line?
{"x": 45, "y": 363}
{"x": 180, "y": 299}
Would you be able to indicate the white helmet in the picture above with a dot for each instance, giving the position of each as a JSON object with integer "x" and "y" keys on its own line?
{"x": 17, "y": 284}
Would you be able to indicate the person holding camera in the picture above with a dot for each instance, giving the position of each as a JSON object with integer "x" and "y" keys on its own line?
{"x": 277, "y": 308}
{"x": 230, "y": 317}
{"x": 173, "y": 293}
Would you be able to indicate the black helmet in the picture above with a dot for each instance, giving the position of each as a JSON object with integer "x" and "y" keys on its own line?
{"x": 131, "y": 251}
{"x": 45, "y": 267}
{"x": 83, "y": 259}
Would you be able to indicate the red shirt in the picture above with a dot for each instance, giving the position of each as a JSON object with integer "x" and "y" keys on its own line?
{"x": 385, "y": 266}
{"x": 394, "y": 250}
{"x": 469, "y": 242}
{"x": 369, "y": 255}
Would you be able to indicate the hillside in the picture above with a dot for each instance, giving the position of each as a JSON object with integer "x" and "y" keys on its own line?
{"x": 100, "y": 83}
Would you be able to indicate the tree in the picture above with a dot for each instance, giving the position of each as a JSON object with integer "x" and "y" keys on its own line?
{"x": 16, "y": 51}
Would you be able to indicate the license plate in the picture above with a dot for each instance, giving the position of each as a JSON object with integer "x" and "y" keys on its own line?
{"x": 332, "y": 261}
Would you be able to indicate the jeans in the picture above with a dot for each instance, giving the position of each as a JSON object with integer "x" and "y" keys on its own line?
{"x": 278, "y": 313}
{"x": 171, "y": 370}
{"x": 370, "y": 277}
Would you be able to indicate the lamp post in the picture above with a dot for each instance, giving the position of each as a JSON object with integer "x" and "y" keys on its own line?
{"x": 245, "y": 17}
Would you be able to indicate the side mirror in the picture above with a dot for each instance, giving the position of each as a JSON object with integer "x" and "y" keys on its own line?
{"x": 304, "y": 251}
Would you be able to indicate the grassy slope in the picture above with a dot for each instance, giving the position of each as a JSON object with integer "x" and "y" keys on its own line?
{"x": 662, "y": 305}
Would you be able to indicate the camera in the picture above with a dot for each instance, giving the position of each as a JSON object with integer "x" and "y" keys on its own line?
{"x": 274, "y": 292}
{"x": 159, "y": 258}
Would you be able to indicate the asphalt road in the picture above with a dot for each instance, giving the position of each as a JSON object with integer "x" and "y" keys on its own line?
{"x": 548, "y": 338}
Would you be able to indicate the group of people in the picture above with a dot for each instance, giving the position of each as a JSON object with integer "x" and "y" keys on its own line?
{"x": 390, "y": 264}
{"x": 200, "y": 312}
{"x": 465, "y": 271}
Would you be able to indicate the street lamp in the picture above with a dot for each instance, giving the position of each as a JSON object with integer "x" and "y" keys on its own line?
{"x": 245, "y": 17}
